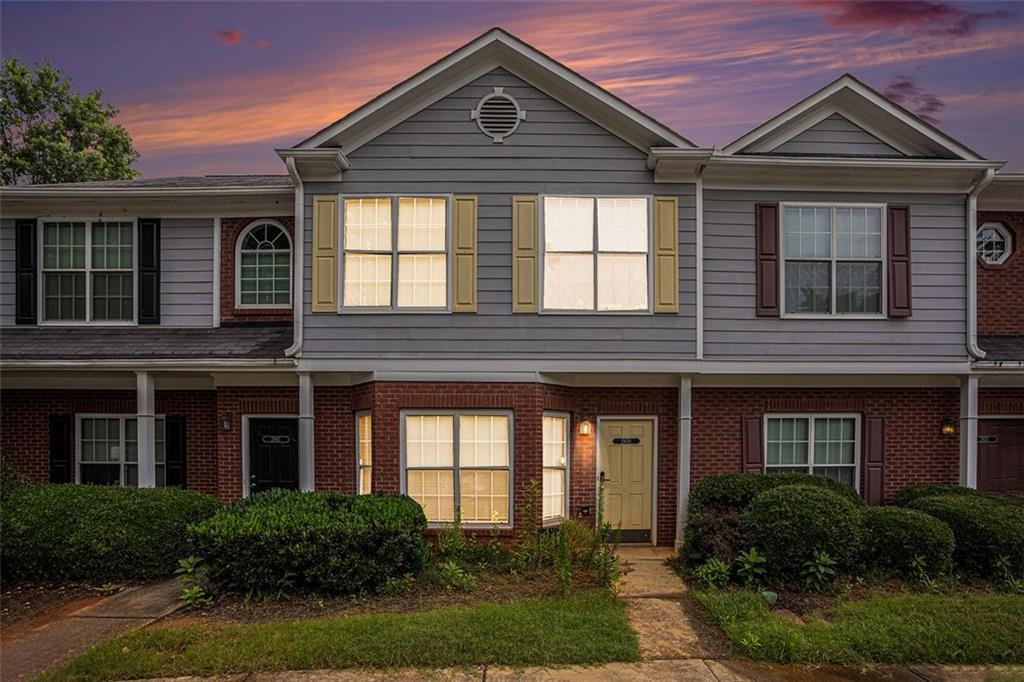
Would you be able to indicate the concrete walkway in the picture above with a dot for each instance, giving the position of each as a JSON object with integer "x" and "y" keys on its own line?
{"x": 30, "y": 647}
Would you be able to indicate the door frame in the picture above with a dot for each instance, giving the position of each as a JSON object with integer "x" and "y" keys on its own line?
{"x": 245, "y": 443}
{"x": 653, "y": 418}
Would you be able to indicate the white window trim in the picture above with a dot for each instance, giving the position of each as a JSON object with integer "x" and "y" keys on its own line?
{"x": 544, "y": 310}
{"x": 455, "y": 468}
{"x": 557, "y": 520}
{"x": 394, "y": 307}
{"x": 833, "y": 259}
{"x": 811, "y": 416}
{"x": 122, "y": 418}
{"x": 40, "y": 270}
{"x": 238, "y": 267}
{"x": 1007, "y": 236}
{"x": 359, "y": 465}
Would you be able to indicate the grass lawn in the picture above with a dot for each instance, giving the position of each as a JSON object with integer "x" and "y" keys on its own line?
{"x": 586, "y": 628}
{"x": 911, "y": 628}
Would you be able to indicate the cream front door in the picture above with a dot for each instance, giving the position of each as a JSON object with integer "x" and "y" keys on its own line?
{"x": 627, "y": 465}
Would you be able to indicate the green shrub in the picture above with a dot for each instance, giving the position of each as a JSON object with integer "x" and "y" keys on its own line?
{"x": 904, "y": 497}
{"x": 893, "y": 537}
{"x": 324, "y": 541}
{"x": 717, "y": 503}
{"x": 985, "y": 530}
{"x": 97, "y": 533}
{"x": 790, "y": 524}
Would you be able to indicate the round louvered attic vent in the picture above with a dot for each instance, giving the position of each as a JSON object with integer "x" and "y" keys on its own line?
{"x": 498, "y": 115}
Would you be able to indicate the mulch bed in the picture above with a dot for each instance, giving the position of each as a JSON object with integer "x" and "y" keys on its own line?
{"x": 491, "y": 588}
{"x": 28, "y": 599}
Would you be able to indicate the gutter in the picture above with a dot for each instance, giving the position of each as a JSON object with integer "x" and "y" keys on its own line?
{"x": 972, "y": 263}
{"x": 300, "y": 259}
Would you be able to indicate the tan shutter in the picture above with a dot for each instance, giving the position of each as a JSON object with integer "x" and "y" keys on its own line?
{"x": 524, "y": 254}
{"x": 666, "y": 255}
{"x": 325, "y": 254}
{"x": 464, "y": 217}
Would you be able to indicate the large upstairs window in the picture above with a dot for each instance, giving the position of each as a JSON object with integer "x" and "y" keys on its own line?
{"x": 264, "y": 266}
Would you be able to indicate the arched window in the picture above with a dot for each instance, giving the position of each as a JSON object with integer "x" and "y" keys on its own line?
{"x": 264, "y": 266}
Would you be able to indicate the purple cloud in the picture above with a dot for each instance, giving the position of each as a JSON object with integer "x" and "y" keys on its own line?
{"x": 934, "y": 18}
{"x": 231, "y": 36}
{"x": 905, "y": 91}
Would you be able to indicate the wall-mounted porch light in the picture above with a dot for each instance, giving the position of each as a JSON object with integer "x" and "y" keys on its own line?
{"x": 225, "y": 422}
{"x": 948, "y": 427}
{"x": 584, "y": 428}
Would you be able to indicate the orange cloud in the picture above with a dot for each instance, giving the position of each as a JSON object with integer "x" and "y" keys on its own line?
{"x": 231, "y": 36}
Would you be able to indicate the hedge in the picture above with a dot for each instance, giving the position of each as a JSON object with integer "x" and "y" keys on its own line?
{"x": 893, "y": 537}
{"x": 324, "y": 541}
{"x": 985, "y": 530}
{"x": 97, "y": 533}
{"x": 790, "y": 523}
{"x": 904, "y": 497}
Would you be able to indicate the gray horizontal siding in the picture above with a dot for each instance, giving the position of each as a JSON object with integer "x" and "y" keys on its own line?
{"x": 935, "y": 331}
{"x": 6, "y": 272}
{"x": 836, "y": 136}
{"x": 555, "y": 150}
{"x": 186, "y": 272}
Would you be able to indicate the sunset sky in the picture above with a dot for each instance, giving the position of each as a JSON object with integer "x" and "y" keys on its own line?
{"x": 209, "y": 87}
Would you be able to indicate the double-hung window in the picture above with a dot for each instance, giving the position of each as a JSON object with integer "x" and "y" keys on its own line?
{"x": 556, "y": 459}
{"x": 108, "y": 450}
{"x": 364, "y": 448}
{"x": 459, "y": 461}
{"x": 822, "y": 444}
{"x": 833, "y": 259}
{"x": 396, "y": 253}
{"x": 88, "y": 271}
{"x": 596, "y": 253}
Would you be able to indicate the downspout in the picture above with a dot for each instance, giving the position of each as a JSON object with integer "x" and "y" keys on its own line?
{"x": 972, "y": 263}
{"x": 300, "y": 259}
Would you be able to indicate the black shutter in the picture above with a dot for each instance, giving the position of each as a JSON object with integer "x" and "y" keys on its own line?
{"x": 900, "y": 291}
{"x": 60, "y": 449}
{"x": 752, "y": 439}
{"x": 874, "y": 466}
{"x": 174, "y": 450}
{"x": 25, "y": 281}
{"x": 149, "y": 271}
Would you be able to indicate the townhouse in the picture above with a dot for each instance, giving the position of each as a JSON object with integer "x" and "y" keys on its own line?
{"x": 497, "y": 281}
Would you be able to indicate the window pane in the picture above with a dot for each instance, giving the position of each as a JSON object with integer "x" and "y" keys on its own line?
{"x": 807, "y": 287}
{"x": 265, "y": 278}
{"x": 112, "y": 246}
{"x": 368, "y": 224}
{"x": 992, "y": 245}
{"x": 483, "y": 441}
{"x": 429, "y": 440}
{"x": 365, "y": 480}
{"x": 422, "y": 281}
{"x": 834, "y": 440}
{"x": 112, "y": 296}
{"x": 131, "y": 440}
{"x": 621, "y": 282}
{"x": 421, "y": 224}
{"x": 622, "y": 224}
{"x": 859, "y": 287}
{"x": 367, "y": 280}
{"x": 100, "y": 440}
{"x": 807, "y": 232}
{"x": 63, "y": 245}
{"x": 787, "y": 442}
{"x": 484, "y": 496}
{"x": 100, "y": 474}
{"x": 841, "y": 474}
{"x": 858, "y": 232}
{"x": 64, "y": 296}
{"x": 569, "y": 281}
{"x": 554, "y": 493}
{"x": 568, "y": 223}
{"x": 435, "y": 491}
{"x": 555, "y": 441}
{"x": 365, "y": 440}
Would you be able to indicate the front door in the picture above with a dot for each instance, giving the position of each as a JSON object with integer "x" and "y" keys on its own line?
{"x": 627, "y": 468}
{"x": 1001, "y": 455}
{"x": 273, "y": 454}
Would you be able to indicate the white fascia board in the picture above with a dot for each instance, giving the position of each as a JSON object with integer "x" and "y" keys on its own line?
{"x": 35, "y": 191}
{"x": 182, "y": 364}
{"x": 318, "y": 165}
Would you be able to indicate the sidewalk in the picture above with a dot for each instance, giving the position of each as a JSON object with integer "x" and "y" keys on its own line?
{"x": 29, "y": 648}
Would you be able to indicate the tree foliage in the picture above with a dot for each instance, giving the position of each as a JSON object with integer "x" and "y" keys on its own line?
{"x": 52, "y": 134}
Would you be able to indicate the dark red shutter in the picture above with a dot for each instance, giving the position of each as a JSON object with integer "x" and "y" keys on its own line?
{"x": 874, "y": 460}
{"x": 174, "y": 452}
{"x": 753, "y": 456}
{"x": 60, "y": 449}
{"x": 25, "y": 280}
{"x": 900, "y": 299}
{"x": 149, "y": 271}
{"x": 766, "y": 231}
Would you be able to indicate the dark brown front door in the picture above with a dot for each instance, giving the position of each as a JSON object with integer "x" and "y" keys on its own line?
{"x": 1001, "y": 455}
{"x": 273, "y": 454}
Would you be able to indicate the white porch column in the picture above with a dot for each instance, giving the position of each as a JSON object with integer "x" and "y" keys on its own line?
{"x": 683, "y": 482}
{"x": 307, "y": 476}
{"x": 969, "y": 431}
{"x": 145, "y": 403}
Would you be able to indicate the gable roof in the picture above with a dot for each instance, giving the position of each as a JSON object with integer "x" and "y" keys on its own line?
{"x": 495, "y": 48}
{"x": 866, "y": 108}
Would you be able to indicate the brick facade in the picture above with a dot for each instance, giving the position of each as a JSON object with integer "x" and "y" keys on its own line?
{"x": 915, "y": 450}
{"x": 230, "y": 229}
{"x": 1001, "y": 287}
{"x": 1003, "y": 402}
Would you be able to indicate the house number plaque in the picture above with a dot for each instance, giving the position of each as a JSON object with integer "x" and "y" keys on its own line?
{"x": 626, "y": 441}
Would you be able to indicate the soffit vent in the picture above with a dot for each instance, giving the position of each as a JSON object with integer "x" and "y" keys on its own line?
{"x": 498, "y": 115}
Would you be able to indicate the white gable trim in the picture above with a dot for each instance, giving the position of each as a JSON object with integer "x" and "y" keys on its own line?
{"x": 494, "y": 49}
{"x": 781, "y": 127}
{"x": 783, "y": 135}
